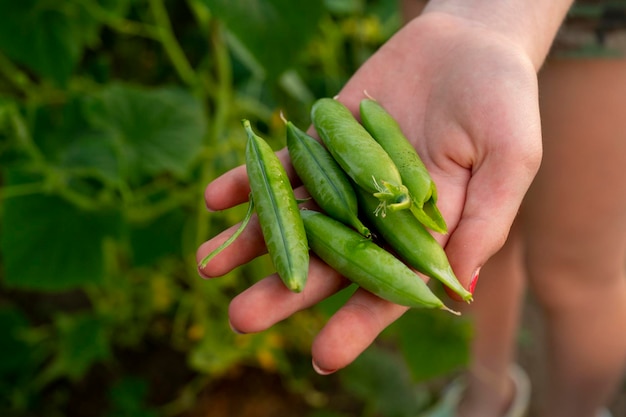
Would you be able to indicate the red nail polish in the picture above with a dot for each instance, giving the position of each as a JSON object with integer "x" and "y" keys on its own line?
{"x": 474, "y": 280}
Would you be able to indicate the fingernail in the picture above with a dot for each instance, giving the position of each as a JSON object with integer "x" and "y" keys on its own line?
{"x": 234, "y": 329}
{"x": 474, "y": 280}
{"x": 202, "y": 275}
{"x": 320, "y": 370}
{"x": 208, "y": 207}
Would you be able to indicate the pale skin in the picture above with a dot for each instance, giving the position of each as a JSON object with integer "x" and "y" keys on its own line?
{"x": 571, "y": 251}
{"x": 465, "y": 143}
{"x": 467, "y": 97}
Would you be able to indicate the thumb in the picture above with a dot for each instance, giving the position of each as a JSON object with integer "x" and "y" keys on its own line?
{"x": 494, "y": 194}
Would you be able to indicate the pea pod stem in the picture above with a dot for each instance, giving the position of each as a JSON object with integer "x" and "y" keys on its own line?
{"x": 388, "y": 192}
{"x": 359, "y": 155}
{"x": 205, "y": 261}
{"x": 387, "y": 132}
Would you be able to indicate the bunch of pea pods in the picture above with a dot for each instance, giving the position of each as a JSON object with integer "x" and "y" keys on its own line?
{"x": 375, "y": 203}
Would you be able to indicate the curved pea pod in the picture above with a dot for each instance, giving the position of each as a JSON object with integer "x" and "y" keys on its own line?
{"x": 414, "y": 244}
{"x": 278, "y": 212}
{"x": 323, "y": 178}
{"x": 365, "y": 263}
{"x": 359, "y": 155}
{"x": 386, "y": 131}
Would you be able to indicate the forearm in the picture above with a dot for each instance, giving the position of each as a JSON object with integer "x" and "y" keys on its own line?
{"x": 531, "y": 24}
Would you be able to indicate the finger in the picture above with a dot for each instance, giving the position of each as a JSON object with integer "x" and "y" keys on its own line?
{"x": 269, "y": 301}
{"x": 232, "y": 188}
{"x": 351, "y": 330}
{"x": 247, "y": 246}
{"x": 228, "y": 190}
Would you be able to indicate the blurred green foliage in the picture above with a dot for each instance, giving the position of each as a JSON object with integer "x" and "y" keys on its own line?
{"x": 114, "y": 115}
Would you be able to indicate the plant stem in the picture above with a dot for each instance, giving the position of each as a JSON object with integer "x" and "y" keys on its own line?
{"x": 120, "y": 24}
{"x": 19, "y": 190}
{"x": 187, "y": 397}
{"x": 22, "y": 134}
{"x": 224, "y": 82}
{"x": 222, "y": 104}
{"x": 18, "y": 78}
{"x": 232, "y": 238}
{"x": 151, "y": 211}
{"x": 170, "y": 44}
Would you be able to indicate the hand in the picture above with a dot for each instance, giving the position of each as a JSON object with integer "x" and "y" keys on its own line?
{"x": 467, "y": 100}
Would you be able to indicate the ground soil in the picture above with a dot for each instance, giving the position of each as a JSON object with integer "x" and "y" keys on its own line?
{"x": 251, "y": 392}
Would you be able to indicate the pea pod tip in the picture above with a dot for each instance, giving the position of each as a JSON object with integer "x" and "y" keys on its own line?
{"x": 295, "y": 286}
{"x": 368, "y": 96}
{"x": 469, "y": 297}
{"x": 449, "y": 310}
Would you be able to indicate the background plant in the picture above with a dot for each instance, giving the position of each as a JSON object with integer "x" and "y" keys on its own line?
{"x": 114, "y": 115}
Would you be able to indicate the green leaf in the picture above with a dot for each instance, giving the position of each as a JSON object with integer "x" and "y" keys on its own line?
{"x": 128, "y": 398}
{"x": 157, "y": 131}
{"x": 380, "y": 378}
{"x": 18, "y": 363}
{"x": 65, "y": 137}
{"x": 330, "y": 305}
{"x": 344, "y": 7}
{"x": 274, "y": 32}
{"x": 16, "y": 354}
{"x": 45, "y": 36}
{"x": 50, "y": 244}
{"x": 158, "y": 239}
{"x": 434, "y": 343}
{"x": 214, "y": 354}
{"x": 82, "y": 341}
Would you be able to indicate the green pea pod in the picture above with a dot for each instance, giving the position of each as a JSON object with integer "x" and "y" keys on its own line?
{"x": 359, "y": 155}
{"x": 414, "y": 244}
{"x": 365, "y": 263}
{"x": 323, "y": 178}
{"x": 278, "y": 212}
{"x": 386, "y": 131}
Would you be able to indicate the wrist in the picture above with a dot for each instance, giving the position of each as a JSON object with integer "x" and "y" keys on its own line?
{"x": 529, "y": 25}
